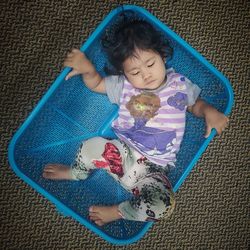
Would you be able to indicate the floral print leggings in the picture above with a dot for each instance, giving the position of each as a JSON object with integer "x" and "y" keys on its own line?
{"x": 153, "y": 197}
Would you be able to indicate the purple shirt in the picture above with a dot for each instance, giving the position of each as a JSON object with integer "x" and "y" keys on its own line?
{"x": 152, "y": 122}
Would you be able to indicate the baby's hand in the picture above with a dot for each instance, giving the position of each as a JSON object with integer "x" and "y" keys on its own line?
{"x": 215, "y": 119}
{"x": 79, "y": 62}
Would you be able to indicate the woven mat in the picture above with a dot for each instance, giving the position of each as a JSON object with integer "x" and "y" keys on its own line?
{"x": 213, "y": 203}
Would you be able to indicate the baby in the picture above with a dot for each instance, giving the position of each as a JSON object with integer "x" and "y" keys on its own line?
{"x": 152, "y": 103}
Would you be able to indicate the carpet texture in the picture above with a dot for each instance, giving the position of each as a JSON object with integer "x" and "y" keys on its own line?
{"x": 212, "y": 205}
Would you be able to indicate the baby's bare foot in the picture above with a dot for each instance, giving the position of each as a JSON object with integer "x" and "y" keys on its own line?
{"x": 57, "y": 172}
{"x": 104, "y": 214}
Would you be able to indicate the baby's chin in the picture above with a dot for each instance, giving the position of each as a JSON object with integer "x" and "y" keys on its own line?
{"x": 154, "y": 86}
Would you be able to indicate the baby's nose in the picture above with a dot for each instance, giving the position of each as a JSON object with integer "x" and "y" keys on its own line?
{"x": 146, "y": 75}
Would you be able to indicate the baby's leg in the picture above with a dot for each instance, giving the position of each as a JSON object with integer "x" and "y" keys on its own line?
{"x": 80, "y": 168}
{"x": 88, "y": 156}
{"x": 83, "y": 165}
{"x": 153, "y": 199}
{"x": 98, "y": 153}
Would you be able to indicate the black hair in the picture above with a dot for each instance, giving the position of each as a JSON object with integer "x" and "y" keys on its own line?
{"x": 122, "y": 39}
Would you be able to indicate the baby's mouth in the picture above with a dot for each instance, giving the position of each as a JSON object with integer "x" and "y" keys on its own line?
{"x": 150, "y": 82}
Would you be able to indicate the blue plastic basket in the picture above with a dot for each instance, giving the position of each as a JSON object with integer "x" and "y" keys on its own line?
{"x": 70, "y": 113}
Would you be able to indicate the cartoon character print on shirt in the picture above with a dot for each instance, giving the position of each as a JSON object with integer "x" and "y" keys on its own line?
{"x": 179, "y": 99}
{"x": 142, "y": 108}
{"x": 144, "y": 105}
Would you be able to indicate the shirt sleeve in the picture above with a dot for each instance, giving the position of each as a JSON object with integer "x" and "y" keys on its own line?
{"x": 193, "y": 92}
{"x": 113, "y": 85}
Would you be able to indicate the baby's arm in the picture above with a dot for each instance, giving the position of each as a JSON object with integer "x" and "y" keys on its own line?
{"x": 82, "y": 65}
{"x": 213, "y": 118}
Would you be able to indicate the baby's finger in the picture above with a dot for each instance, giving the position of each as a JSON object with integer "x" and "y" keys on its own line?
{"x": 219, "y": 131}
{"x": 222, "y": 128}
{"x": 75, "y": 50}
{"x": 70, "y": 74}
{"x": 208, "y": 131}
{"x": 68, "y": 61}
{"x": 70, "y": 55}
{"x": 69, "y": 64}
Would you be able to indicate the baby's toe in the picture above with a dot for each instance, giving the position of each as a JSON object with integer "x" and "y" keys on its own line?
{"x": 93, "y": 209}
{"x": 94, "y": 217}
{"x": 99, "y": 222}
{"x": 49, "y": 168}
{"x": 47, "y": 175}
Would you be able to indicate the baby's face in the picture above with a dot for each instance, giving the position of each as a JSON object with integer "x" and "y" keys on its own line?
{"x": 145, "y": 70}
